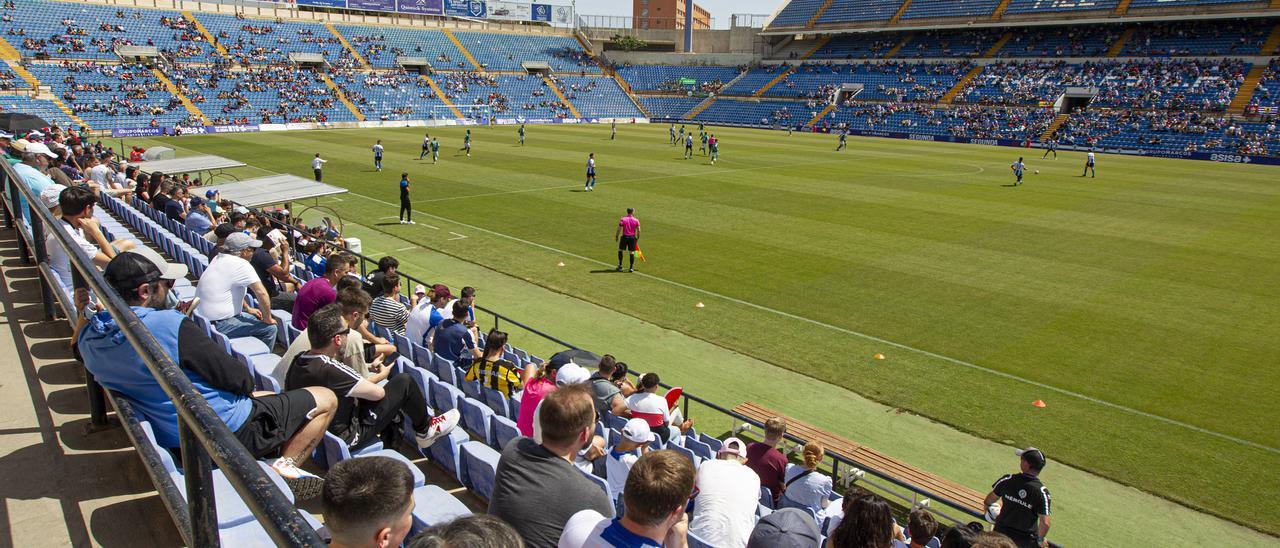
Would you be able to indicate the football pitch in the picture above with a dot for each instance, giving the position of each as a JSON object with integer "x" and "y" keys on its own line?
{"x": 1142, "y": 306}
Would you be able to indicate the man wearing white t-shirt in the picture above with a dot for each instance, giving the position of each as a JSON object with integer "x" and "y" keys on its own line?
{"x": 657, "y": 493}
{"x": 724, "y": 512}
{"x": 77, "y": 218}
{"x": 636, "y": 438}
{"x": 222, "y": 289}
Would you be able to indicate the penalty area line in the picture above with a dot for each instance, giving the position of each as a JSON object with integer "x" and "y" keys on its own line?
{"x": 901, "y": 346}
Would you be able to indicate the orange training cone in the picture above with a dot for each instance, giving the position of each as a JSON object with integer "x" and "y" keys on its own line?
{"x": 1038, "y": 403}
{"x": 879, "y": 356}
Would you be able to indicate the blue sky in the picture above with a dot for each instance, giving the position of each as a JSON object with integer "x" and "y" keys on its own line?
{"x": 720, "y": 9}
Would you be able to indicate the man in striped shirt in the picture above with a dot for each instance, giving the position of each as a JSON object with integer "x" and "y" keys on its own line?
{"x": 387, "y": 310}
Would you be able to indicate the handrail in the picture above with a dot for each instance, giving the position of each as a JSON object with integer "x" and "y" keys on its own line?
{"x": 205, "y": 439}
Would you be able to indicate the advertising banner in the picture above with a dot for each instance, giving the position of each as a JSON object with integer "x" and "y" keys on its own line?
{"x": 421, "y": 7}
{"x": 541, "y": 12}
{"x": 372, "y": 5}
{"x": 562, "y": 15}
{"x": 509, "y": 11}
{"x": 464, "y": 8}
{"x": 323, "y": 3}
{"x": 139, "y": 132}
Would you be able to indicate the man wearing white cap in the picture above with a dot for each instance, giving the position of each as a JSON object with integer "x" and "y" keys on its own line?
{"x": 6, "y": 146}
{"x": 222, "y": 291}
{"x": 567, "y": 375}
{"x": 724, "y": 512}
{"x": 35, "y": 161}
{"x": 635, "y": 441}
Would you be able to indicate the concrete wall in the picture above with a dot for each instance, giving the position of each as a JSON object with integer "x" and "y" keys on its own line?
{"x": 739, "y": 40}
{"x": 651, "y": 58}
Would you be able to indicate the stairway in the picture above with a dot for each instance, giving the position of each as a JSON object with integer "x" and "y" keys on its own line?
{"x": 780, "y": 77}
{"x": 905, "y": 39}
{"x": 821, "y": 42}
{"x": 458, "y": 44}
{"x": 208, "y": 36}
{"x": 1122, "y": 8}
{"x": 822, "y": 115}
{"x": 556, "y": 89}
{"x": 1053, "y": 126}
{"x": 999, "y": 44}
{"x": 901, "y": 10}
{"x": 955, "y": 90}
{"x": 443, "y": 99}
{"x": 1118, "y": 47}
{"x": 1000, "y": 9}
{"x": 342, "y": 97}
{"x": 696, "y": 110}
{"x": 1251, "y": 80}
{"x": 350, "y": 49}
{"x": 1273, "y": 41}
{"x": 173, "y": 89}
{"x": 821, "y": 9}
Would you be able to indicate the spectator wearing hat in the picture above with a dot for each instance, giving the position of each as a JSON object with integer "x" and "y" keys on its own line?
{"x": 199, "y": 219}
{"x": 805, "y": 487}
{"x": 35, "y": 161}
{"x": 921, "y": 526}
{"x": 6, "y": 147}
{"x": 634, "y": 442}
{"x": 646, "y": 404}
{"x": 289, "y": 424}
{"x": 537, "y": 488}
{"x": 493, "y": 371}
{"x": 724, "y": 510}
{"x": 785, "y": 528}
{"x": 423, "y": 319}
{"x": 657, "y": 493}
{"x": 211, "y": 198}
{"x": 368, "y": 502}
{"x": 318, "y": 292}
{"x": 765, "y": 458}
{"x": 49, "y": 198}
{"x": 456, "y": 337}
{"x": 1024, "y": 508}
{"x": 76, "y": 206}
{"x": 366, "y": 407}
{"x": 222, "y": 290}
{"x": 590, "y": 457}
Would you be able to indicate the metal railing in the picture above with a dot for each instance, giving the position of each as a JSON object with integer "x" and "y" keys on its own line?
{"x": 204, "y": 439}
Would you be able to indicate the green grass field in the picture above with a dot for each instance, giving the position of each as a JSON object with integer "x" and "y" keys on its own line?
{"x": 1141, "y": 306}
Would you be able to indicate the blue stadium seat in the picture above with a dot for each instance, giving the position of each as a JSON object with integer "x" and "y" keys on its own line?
{"x": 502, "y": 431}
{"x": 475, "y": 418}
{"x": 479, "y": 470}
{"x": 435, "y": 506}
{"x": 445, "y": 451}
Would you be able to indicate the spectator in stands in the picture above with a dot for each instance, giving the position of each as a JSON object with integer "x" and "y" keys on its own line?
{"x": 318, "y": 292}
{"x": 724, "y": 510}
{"x": 317, "y": 257}
{"x": 101, "y": 172}
{"x": 290, "y": 423}
{"x": 368, "y": 502}
{"x": 961, "y": 536}
{"x": 175, "y": 208}
{"x": 424, "y": 318}
{"x": 541, "y": 383}
{"x": 457, "y": 336}
{"x": 199, "y": 219}
{"x": 867, "y": 523}
{"x": 658, "y": 489}
{"x": 220, "y": 235}
{"x": 493, "y": 371}
{"x": 367, "y": 408}
{"x": 610, "y": 398}
{"x": 35, "y": 161}
{"x": 77, "y": 204}
{"x": 635, "y": 441}
{"x": 6, "y": 147}
{"x": 222, "y": 291}
{"x": 1024, "y": 512}
{"x": 473, "y": 531}
{"x": 388, "y": 310}
{"x": 785, "y": 528}
{"x": 765, "y": 458}
{"x": 386, "y": 265}
{"x": 921, "y": 527}
{"x": 645, "y": 403}
{"x": 537, "y": 488}
{"x": 807, "y": 488}
{"x": 364, "y": 358}
{"x": 274, "y": 273}
{"x": 992, "y": 539}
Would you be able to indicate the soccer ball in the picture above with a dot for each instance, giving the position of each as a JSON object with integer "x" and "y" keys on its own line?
{"x": 1037, "y": 172}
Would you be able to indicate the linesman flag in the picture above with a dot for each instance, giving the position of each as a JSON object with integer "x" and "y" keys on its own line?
{"x": 640, "y": 255}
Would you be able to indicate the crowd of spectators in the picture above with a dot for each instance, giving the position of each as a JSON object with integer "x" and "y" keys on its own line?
{"x": 1184, "y": 131}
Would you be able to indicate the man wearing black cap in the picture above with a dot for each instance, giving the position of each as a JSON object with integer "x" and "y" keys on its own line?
{"x": 1024, "y": 509}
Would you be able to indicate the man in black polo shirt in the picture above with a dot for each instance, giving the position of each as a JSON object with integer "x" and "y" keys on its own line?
{"x": 1024, "y": 509}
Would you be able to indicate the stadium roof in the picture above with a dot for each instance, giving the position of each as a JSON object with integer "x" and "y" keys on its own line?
{"x": 274, "y": 189}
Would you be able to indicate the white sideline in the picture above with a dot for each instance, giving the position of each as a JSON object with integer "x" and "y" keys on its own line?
{"x": 1002, "y": 374}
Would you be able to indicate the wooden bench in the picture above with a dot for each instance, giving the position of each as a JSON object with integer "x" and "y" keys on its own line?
{"x": 873, "y": 462}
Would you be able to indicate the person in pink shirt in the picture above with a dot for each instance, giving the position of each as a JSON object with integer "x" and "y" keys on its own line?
{"x": 628, "y": 238}
{"x": 543, "y": 383}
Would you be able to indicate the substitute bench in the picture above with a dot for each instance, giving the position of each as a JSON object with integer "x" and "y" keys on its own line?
{"x": 870, "y": 461}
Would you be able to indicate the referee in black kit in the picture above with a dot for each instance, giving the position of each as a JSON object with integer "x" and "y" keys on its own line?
{"x": 1024, "y": 502}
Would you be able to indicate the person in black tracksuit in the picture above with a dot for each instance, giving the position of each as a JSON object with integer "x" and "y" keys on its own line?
{"x": 406, "y": 210}
{"x": 1024, "y": 502}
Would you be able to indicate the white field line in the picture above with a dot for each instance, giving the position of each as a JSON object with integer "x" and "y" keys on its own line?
{"x": 788, "y": 315}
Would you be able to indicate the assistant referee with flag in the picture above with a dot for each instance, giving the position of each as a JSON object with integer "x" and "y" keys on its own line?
{"x": 628, "y": 237}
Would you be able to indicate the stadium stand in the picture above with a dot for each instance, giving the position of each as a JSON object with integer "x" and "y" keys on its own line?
{"x": 937, "y": 9}
{"x": 874, "y": 10}
{"x": 389, "y": 95}
{"x": 263, "y": 41}
{"x": 39, "y": 107}
{"x": 112, "y": 95}
{"x": 259, "y": 95}
{"x": 1039, "y": 6}
{"x": 1197, "y": 39}
{"x": 663, "y": 107}
{"x": 1267, "y": 94}
{"x": 859, "y": 46}
{"x": 1074, "y": 41}
{"x": 668, "y": 77}
{"x": 797, "y": 13}
{"x": 506, "y": 52}
{"x": 381, "y": 45}
{"x": 598, "y": 97}
{"x": 92, "y": 31}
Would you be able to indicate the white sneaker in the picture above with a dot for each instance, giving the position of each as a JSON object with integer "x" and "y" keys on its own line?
{"x": 402, "y": 221}
{"x": 440, "y": 426}
{"x": 412, "y": 223}
{"x": 304, "y": 485}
